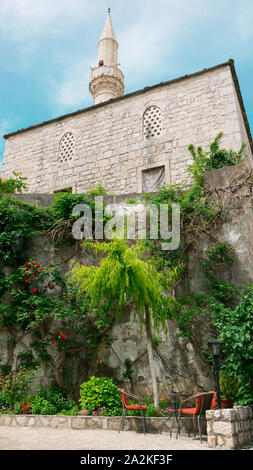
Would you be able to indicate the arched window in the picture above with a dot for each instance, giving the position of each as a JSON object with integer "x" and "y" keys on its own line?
{"x": 67, "y": 147}
{"x": 152, "y": 122}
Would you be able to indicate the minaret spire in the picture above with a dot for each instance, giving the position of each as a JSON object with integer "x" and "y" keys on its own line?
{"x": 106, "y": 80}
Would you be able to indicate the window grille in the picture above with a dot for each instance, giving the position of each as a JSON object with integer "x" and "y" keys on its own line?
{"x": 152, "y": 122}
{"x": 67, "y": 147}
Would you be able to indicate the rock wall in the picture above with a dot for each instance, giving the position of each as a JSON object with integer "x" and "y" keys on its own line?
{"x": 178, "y": 364}
{"x": 230, "y": 428}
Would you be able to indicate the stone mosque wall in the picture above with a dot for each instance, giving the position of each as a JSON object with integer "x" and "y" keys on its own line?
{"x": 133, "y": 143}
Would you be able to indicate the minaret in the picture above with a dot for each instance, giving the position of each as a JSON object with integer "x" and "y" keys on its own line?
{"x": 106, "y": 80}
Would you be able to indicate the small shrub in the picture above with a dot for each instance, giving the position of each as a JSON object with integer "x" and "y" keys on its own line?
{"x": 41, "y": 406}
{"x": 51, "y": 400}
{"x": 99, "y": 392}
{"x": 215, "y": 158}
{"x": 13, "y": 389}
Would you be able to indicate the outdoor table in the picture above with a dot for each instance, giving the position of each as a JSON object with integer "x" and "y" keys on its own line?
{"x": 174, "y": 412}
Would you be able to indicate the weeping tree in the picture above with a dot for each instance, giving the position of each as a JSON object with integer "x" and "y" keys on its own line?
{"x": 125, "y": 276}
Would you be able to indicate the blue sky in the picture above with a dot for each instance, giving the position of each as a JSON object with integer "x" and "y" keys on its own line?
{"x": 48, "y": 46}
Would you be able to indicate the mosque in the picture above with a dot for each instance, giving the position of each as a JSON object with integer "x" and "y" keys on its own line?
{"x": 130, "y": 143}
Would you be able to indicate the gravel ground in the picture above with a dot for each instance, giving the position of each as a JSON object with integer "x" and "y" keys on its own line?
{"x": 24, "y": 438}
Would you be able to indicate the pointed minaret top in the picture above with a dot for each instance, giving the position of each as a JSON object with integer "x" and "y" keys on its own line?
{"x": 108, "y": 31}
{"x": 107, "y": 80}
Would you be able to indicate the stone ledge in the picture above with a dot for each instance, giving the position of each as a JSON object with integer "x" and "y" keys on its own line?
{"x": 132, "y": 423}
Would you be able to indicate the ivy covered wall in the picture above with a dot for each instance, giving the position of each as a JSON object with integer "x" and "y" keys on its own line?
{"x": 47, "y": 321}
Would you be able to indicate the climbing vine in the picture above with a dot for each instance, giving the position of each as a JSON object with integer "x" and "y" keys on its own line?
{"x": 65, "y": 318}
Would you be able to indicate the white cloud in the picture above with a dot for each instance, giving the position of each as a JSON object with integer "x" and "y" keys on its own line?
{"x": 71, "y": 90}
{"x": 149, "y": 33}
{"x": 24, "y": 19}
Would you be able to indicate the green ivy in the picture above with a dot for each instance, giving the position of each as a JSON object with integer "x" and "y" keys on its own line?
{"x": 235, "y": 328}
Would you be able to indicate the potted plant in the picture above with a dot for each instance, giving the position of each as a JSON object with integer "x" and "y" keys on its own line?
{"x": 25, "y": 408}
{"x": 229, "y": 389}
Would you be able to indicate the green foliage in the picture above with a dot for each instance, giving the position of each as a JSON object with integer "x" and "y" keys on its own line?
{"x": 235, "y": 328}
{"x": 229, "y": 385}
{"x": 31, "y": 295}
{"x": 65, "y": 202}
{"x": 215, "y": 158}
{"x": 19, "y": 221}
{"x": 27, "y": 360}
{"x": 217, "y": 258}
{"x": 99, "y": 392}
{"x": 16, "y": 387}
{"x": 127, "y": 375}
{"x": 51, "y": 400}
{"x": 122, "y": 277}
{"x": 18, "y": 183}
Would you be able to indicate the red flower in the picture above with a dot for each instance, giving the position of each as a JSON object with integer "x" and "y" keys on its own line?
{"x": 45, "y": 287}
{"x": 51, "y": 286}
{"x": 98, "y": 362}
{"x": 33, "y": 262}
{"x": 42, "y": 269}
{"x": 53, "y": 342}
{"x": 35, "y": 290}
{"x": 67, "y": 333}
{"x": 77, "y": 308}
{"x": 37, "y": 265}
{"x": 58, "y": 347}
{"x": 27, "y": 268}
{"x": 67, "y": 296}
{"x": 56, "y": 332}
{"x": 27, "y": 264}
{"x": 27, "y": 281}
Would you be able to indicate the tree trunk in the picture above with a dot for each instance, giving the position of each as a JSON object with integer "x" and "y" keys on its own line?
{"x": 150, "y": 357}
{"x": 58, "y": 365}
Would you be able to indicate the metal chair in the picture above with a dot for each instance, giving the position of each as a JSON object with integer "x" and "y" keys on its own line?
{"x": 203, "y": 403}
{"x": 142, "y": 408}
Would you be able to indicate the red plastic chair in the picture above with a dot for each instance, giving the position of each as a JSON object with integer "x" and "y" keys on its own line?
{"x": 142, "y": 408}
{"x": 214, "y": 400}
{"x": 203, "y": 402}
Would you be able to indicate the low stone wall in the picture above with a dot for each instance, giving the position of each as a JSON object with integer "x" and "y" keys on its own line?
{"x": 230, "y": 428}
{"x": 132, "y": 423}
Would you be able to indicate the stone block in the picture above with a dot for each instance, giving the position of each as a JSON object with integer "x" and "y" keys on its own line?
{"x": 211, "y": 440}
{"x": 43, "y": 420}
{"x": 32, "y": 421}
{"x": 8, "y": 420}
{"x": 78, "y": 423}
{"x": 222, "y": 427}
{"x": 22, "y": 420}
{"x": 113, "y": 423}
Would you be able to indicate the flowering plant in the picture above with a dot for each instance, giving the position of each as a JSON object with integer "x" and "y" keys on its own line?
{"x": 100, "y": 362}
{"x": 25, "y": 407}
{"x": 7, "y": 409}
{"x": 60, "y": 339}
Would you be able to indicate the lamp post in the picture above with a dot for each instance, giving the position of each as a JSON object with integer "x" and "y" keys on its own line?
{"x": 215, "y": 347}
